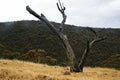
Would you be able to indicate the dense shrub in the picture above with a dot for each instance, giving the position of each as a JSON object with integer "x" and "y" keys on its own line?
{"x": 39, "y": 56}
{"x": 7, "y": 54}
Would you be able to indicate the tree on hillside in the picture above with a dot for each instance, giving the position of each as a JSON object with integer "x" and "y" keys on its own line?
{"x": 75, "y": 64}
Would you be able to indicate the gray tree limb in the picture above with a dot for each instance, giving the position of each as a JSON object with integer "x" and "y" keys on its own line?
{"x": 75, "y": 66}
{"x": 58, "y": 32}
{"x": 88, "y": 48}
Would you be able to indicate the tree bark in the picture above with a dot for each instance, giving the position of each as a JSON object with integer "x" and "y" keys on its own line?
{"x": 88, "y": 48}
{"x": 75, "y": 66}
{"x": 70, "y": 53}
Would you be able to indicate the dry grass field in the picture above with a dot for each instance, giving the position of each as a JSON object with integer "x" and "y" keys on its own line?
{"x": 20, "y": 70}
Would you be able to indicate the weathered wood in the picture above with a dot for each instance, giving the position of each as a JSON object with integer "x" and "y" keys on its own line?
{"x": 75, "y": 66}
{"x": 88, "y": 48}
{"x": 42, "y": 18}
{"x": 59, "y": 33}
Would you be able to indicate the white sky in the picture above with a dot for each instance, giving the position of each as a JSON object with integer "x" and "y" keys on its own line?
{"x": 93, "y": 13}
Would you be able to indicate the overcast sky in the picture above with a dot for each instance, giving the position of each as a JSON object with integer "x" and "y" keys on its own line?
{"x": 93, "y": 13}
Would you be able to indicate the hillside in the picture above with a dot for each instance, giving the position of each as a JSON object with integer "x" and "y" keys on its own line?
{"x": 20, "y": 39}
{"x": 20, "y": 70}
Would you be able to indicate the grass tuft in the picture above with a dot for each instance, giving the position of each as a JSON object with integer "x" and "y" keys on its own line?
{"x": 20, "y": 70}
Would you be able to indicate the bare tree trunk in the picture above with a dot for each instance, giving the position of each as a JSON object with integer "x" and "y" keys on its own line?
{"x": 70, "y": 54}
{"x": 88, "y": 48}
{"x": 75, "y": 66}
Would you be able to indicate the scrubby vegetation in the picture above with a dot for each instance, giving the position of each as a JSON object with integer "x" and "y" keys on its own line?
{"x": 38, "y": 56}
{"x": 21, "y": 39}
{"x": 113, "y": 61}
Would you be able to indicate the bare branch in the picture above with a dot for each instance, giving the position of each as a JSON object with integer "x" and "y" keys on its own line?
{"x": 61, "y": 8}
{"x": 75, "y": 65}
{"x": 42, "y": 18}
{"x": 84, "y": 56}
{"x": 60, "y": 4}
{"x": 52, "y": 27}
{"x": 96, "y": 40}
{"x": 33, "y": 13}
{"x": 88, "y": 48}
{"x": 92, "y": 31}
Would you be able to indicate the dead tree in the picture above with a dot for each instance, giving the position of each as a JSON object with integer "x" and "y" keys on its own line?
{"x": 75, "y": 65}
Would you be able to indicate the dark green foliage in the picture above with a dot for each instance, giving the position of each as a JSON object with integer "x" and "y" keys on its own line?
{"x": 24, "y": 36}
{"x": 113, "y": 62}
{"x": 51, "y": 61}
{"x": 7, "y": 54}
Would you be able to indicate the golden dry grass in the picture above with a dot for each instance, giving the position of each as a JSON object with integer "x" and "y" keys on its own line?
{"x": 20, "y": 70}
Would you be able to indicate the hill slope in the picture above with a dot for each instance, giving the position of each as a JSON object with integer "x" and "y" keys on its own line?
{"x": 20, "y": 37}
{"x": 19, "y": 70}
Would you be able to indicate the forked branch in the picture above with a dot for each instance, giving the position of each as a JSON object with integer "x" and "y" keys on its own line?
{"x": 96, "y": 40}
{"x": 61, "y": 8}
{"x": 88, "y": 48}
{"x": 75, "y": 65}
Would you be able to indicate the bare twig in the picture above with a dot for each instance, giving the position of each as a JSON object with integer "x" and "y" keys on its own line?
{"x": 61, "y": 8}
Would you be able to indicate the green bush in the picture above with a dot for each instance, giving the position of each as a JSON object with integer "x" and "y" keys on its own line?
{"x": 7, "y": 54}
{"x": 38, "y": 56}
{"x": 50, "y": 60}
{"x": 35, "y": 55}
